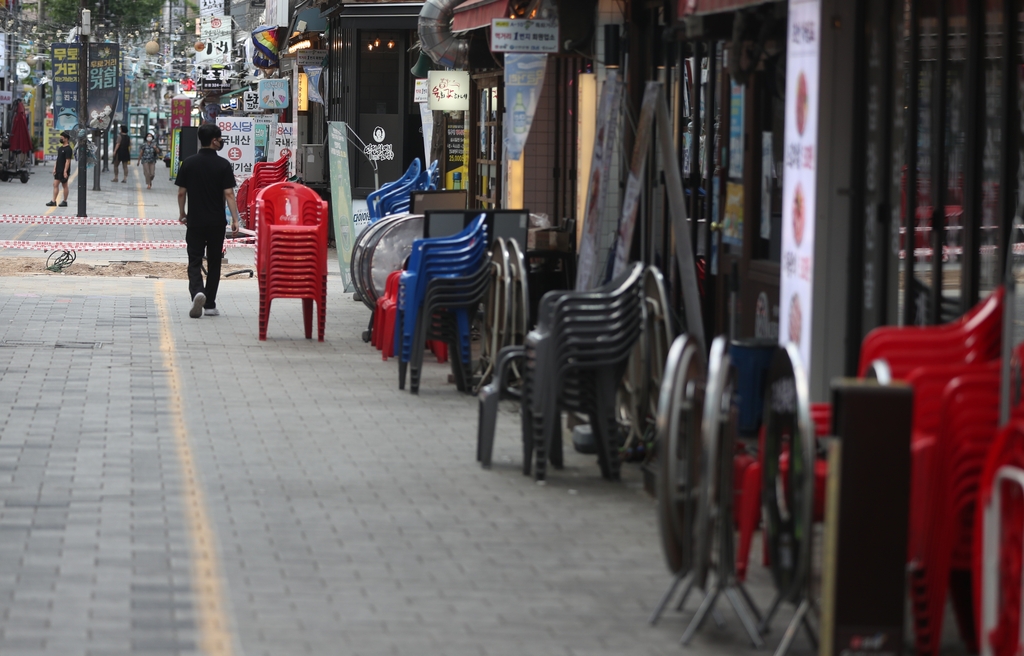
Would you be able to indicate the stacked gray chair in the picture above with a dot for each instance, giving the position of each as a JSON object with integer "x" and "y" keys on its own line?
{"x": 573, "y": 360}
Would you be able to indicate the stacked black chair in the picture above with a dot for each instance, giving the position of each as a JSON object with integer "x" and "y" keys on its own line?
{"x": 573, "y": 360}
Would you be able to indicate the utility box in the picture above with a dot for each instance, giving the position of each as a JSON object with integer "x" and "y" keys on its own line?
{"x": 311, "y": 163}
{"x": 868, "y": 505}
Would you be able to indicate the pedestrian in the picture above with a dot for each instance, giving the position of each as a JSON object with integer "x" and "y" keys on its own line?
{"x": 62, "y": 169}
{"x": 148, "y": 153}
{"x": 122, "y": 152}
{"x": 206, "y": 180}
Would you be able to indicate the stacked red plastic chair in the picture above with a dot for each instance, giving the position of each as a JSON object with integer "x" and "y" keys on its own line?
{"x": 291, "y": 251}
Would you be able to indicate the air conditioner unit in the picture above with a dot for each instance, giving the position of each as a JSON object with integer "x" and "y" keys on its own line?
{"x": 311, "y": 163}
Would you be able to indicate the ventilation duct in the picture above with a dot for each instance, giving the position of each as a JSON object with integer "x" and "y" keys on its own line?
{"x": 436, "y": 38}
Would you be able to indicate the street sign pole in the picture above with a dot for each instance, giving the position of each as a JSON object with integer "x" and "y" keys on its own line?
{"x": 83, "y": 111}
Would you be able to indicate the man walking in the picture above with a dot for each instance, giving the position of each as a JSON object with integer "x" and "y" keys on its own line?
{"x": 207, "y": 181}
{"x": 62, "y": 170}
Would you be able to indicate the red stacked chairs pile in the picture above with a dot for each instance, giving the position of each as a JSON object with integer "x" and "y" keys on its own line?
{"x": 264, "y": 174}
{"x": 291, "y": 251}
{"x": 383, "y": 334}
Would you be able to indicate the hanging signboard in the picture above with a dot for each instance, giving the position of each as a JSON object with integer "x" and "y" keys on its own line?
{"x": 799, "y": 182}
{"x": 211, "y": 7}
{"x": 448, "y": 90}
{"x": 6, "y": 97}
{"x": 524, "y": 79}
{"x": 310, "y": 57}
{"x": 181, "y": 112}
{"x": 277, "y": 13}
{"x": 341, "y": 198}
{"x": 517, "y": 35}
{"x": 239, "y": 137}
{"x": 273, "y": 94}
{"x": 104, "y": 65}
{"x": 250, "y": 102}
{"x": 215, "y": 79}
{"x": 64, "y": 59}
{"x": 215, "y": 32}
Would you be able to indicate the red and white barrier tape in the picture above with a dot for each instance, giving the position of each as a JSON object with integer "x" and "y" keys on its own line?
{"x": 84, "y": 220}
{"x": 33, "y": 245}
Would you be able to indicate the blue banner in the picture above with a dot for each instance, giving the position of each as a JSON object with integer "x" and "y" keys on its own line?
{"x": 64, "y": 59}
{"x": 524, "y": 79}
{"x": 313, "y": 88}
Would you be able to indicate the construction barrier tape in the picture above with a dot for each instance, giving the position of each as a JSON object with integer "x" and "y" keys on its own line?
{"x": 33, "y": 245}
{"x": 85, "y": 220}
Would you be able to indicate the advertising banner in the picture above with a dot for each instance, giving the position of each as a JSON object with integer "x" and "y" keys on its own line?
{"x": 313, "y": 87}
{"x": 799, "y": 182}
{"x": 449, "y": 90}
{"x": 104, "y": 70}
{"x": 524, "y": 79}
{"x": 341, "y": 198}
{"x": 64, "y": 59}
{"x": 421, "y": 93}
{"x": 239, "y": 136}
{"x": 215, "y": 32}
{"x": 286, "y": 143}
{"x": 273, "y": 94}
{"x": 175, "y": 146}
{"x": 600, "y": 168}
{"x": 266, "y": 128}
{"x": 517, "y": 35}
{"x": 181, "y": 112}
{"x": 51, "y": 141}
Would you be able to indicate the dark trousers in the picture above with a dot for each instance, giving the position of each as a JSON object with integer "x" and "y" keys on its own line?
{"x": 205, "y": 240}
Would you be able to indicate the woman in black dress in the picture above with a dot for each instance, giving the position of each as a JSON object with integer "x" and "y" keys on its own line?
{"x": 122, "y": 152}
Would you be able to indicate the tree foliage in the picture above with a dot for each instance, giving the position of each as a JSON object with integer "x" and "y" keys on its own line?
{"x": 121, "y": 14}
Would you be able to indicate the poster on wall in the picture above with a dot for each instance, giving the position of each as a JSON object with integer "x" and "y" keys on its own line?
{"x": 600, "y": 168}
{"x": 798, "y": 178}
{"x": 524, "y": 79}
{"x": 239, "y": 137}
{"x": 341, "y": 198}
{"x": 285, "y": 144}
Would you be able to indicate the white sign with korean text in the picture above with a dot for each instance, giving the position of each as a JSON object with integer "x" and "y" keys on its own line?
{"x": 799, "y": 179}
{"x": 250, "y": 102}
{"x": 285, "y": 144}
{"x": 239, "y": 137}
{"x": 215, "y": 33}
{"x": 517, "y": 35}
{"x": 310, "y": 57}
{"x": 273, "y": 94}
{"x": 421, "y": 94}
{"x": 211, "y": 7}
{"x": 448, "y": 90}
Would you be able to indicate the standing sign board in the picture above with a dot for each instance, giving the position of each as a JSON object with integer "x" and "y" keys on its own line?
{"x": 512, "y": 35}
{"x": 64, "y": 59}
{"x": 341, "y": 198}
{"x": 285, "y": 144}
{"x": 239, "y": 136}
{"x": 799, "y": 180}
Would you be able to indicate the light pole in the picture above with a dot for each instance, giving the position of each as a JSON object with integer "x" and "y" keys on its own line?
{"x": 83, "y": 110}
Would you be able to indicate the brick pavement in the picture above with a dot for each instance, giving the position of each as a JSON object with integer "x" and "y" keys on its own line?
{"x": 347, "y": 517}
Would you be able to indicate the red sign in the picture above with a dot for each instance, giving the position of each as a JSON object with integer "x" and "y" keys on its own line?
{"x": 181, "y": 112}
{"x": 235, "y": 153}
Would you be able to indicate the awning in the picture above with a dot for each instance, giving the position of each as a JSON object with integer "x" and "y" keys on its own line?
{"x": 228, "y": 94}
{"x": 478, "y": 13}
{"x": 697, "y": 7}
{"x": 381, "y": 15}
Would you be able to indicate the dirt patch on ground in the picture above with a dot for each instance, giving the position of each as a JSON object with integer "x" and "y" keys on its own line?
{"x": 29, "y": 266}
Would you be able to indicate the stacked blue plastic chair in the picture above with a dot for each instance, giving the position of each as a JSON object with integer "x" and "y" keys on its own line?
{"x": 408, "y": 179}
{"x": 444, "y": 276}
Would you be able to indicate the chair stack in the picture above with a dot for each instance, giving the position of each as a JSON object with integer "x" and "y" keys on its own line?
{"x": 264, "y": 174}
{"x": 291, "y": 251}
{"x": 393, "y": 197}
{"x": 444, "y": 283}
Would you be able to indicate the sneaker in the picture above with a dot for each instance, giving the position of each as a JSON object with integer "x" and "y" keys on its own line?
{"x": 211, "y": 312}
{"x": 51, "y": 204}
{"x": 63, "y": 203}
{"x": 197, "y": 306}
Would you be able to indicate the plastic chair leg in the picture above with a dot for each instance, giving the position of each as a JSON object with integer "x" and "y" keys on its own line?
{"x": 486, "y": 424}
{"x": 606, "y": 428}
{"x": 264, "y": 318}
{"x": 749, "y": 513}
{"x": 401, "y": 372}
{"x": 307, "y": 316}
{"x": 321, "y": 310}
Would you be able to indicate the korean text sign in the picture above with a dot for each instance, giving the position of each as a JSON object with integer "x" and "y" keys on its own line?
{"x": 285, "y": 143}
{"x": 104, "y": 69}
{"x": 536, "y": 36}
{"x": 448, "y": 90}
{"x": 799, "y": 179}
{"x": 239, "y": 136}
{"x": 64, "y": 58}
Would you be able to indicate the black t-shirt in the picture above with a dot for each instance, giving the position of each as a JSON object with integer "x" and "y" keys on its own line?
{"x": 63, "y": 155}
{"x": 206, "y": 175}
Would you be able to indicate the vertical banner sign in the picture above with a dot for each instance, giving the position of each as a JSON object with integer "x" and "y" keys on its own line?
{"x": 3, "y": 53}
{"x": 604, "y": 141}
{"x": 285, "y": 144}
{"x": 104, "y": 62}
{"x": 239, "y": 134}
{"x": 427, "y": 121}
{"x": 341, "y": 199}
{"x": 51, "y": 141}
{"x": 181, "y": 112}
{"x": 635, "y": 183}
{"x": 175, "y": 146}
{"x": 732, "y": 222}
{"x": 524, "y": 79}
{"x": 64, "y": 61}
{"x": 313, "y": 86}
{"x": 798, "y": 179}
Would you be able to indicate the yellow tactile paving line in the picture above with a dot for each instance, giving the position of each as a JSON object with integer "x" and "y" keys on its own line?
{"x": 214, "y": 634}
{"x": 141, "y": 203}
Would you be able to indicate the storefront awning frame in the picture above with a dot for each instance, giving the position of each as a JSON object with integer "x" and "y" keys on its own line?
{"x": 475, "y": 14}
